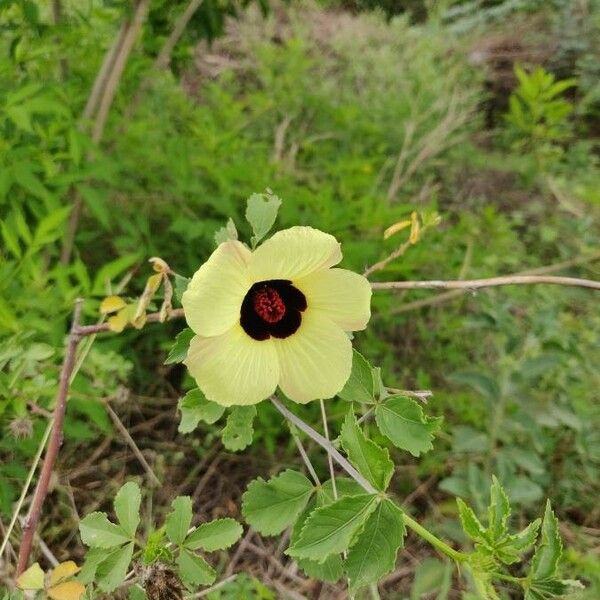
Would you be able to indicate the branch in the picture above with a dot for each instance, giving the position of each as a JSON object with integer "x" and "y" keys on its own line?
{"x": 104, "y": 327}
{"x": 325, "y": 444}
{"x": 56, "y": 438}
{"x": 333, "y": 453}
{"x": 475, "y": 284}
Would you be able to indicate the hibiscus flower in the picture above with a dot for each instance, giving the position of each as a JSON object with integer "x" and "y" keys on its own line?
{"x": 275, "y": 316}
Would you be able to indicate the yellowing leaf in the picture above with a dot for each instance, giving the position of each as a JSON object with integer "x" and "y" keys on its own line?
{"x": 64, "y": 570}
{"x": 395, "y": 228}
{"x": 32, "y": 578}
{"x": 69, "y": 590}
{"x": 118, "y": 322}
{"x": 111, "y": 304}
{"x": 152, "y": 285}
{"x": 159, "y": 265}
{"x": 415, "y": 228}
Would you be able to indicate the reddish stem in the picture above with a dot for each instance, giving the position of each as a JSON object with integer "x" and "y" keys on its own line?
{"x": 56, "y": 438}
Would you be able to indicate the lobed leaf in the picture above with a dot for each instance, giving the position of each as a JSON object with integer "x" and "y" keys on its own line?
{"x": 127, "y": 507}
{"x": 370, "y": 459}
{"x": 98, "y": 532}
{"x": 194, "y": 408}
{"x": 238, "y": 432}
{"x": 216, "y": 535}
{"x": 178, "y": 521}
{"x": 179, "y": 350}
{"x": 360, "y": 386}
{"x": 271, "y": 506}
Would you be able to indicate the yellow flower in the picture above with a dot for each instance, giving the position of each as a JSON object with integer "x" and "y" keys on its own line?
{"x": 274, "y": 317}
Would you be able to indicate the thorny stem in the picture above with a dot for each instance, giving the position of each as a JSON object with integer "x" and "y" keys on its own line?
{"x": 343, "y": 462}
{"x": 56, "y": 438}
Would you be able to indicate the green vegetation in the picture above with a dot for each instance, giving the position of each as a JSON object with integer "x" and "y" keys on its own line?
{"x": 472, "y": 147}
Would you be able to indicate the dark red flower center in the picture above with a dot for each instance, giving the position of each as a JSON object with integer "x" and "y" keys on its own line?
{"x": 272, "y": 308}
{"x": 269, "y": 305}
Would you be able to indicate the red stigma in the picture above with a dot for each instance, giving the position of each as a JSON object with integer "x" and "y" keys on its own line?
{"x": 269, "y": 305}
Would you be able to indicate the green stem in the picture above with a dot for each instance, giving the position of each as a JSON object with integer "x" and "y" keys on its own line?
{"x": 433, "y": 540}
{"x": 503, "y": 577}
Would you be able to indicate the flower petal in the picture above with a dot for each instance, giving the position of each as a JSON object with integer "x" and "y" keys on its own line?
{"x": 214, "y": 296}
{"x": 315, "y": 362}
{"x": 293, "y": 253}
{"x": 341, "y": 295}
{"x": 232, "y": 368}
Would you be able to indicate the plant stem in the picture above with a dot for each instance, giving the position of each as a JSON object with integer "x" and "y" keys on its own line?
{"x": 56, "y": 437}
{"x": 434, "y": 540}
{"x": 304, "y": 455}
{"x": 329, "y": 458}
{"x": 343, "y": 462}
{"x": 25, "y": 489}
{"x": 475, "y": 284}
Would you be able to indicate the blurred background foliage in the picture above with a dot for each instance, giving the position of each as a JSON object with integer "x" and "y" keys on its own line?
{"x": 356, "y": 113}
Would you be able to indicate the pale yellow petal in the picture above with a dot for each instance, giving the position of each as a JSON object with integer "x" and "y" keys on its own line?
{"x": 341, "y": 295}
{"x": 314, "y": 362}
{"x": 213, "y": 299}
{"x": 294, "y": 253}
{"x": 232, "y": 368}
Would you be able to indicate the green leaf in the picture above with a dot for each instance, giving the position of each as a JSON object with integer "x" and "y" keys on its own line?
{"x": 470, "y": 523}
{"x": 194, "y": 408}
{"x": 526, "y": 538}
{"x": 271, "y": 506}
{"x": 179, "y": 349}
{"x": 547, "y": 555}
{"x": 238, "y": 432}
{"x": 331, "y": 570}
{"x": 216, "y": 535}
{"x": 261, "y": 212}
{"x": 498, "y": 511}
{"x": 98, "y": 532}
{"x": 480, "y": 382}
{"x": 181, "y": 284}
{"x": 111, "y": 572}
{"x": 194, "y": 570}
{"x": 360, "y": 387}
{"x": 330, "y": 529}
{"x": 226, "y": 233}
{"x": 127, "y": 507}
{"x": 374, "y": 553}
{"x": 32, "y": 578}
{"x": 370, "y": 459}
{"x": 93, "y": 557}
{"x": 402, "y": 420}
{"x": 178, "y": 521}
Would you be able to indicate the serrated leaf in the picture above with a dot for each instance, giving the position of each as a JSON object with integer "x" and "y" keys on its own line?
{"x": 370, "y": 459}
{"x": 547, "y": 555}
{"x": 360, "y": 387}
{"x": 179, "y": 350}
{"x": 194, "y": 570}
{"x": 112, "y": 304}
{"x": 261, "y": 212}
{"x": 32, "y": 578}
{"x": 402, "y": 420}
{"x": 498, "y": 511}
{"x": 344, "y": 486}
{"x": 238, "y": 432}
{"x": 470, "y": 523}
{"x": 330, "y": 529}
{"x": 68, "y": 590}
{"x": 63, "y": 570}
{"x": 226, "y": 233}
{"x": 526, "y": 538}
{"x": 373, "y": 555}
{"x": 93, "y": 557}
{"x": 111, "y": 572}
{"x": 127, "y": 507}
{"x": 216, "y": 535}
{"x": 178, "y": 521}
{"x": 194, "y": 408}
{"x": 98, "y": 532}
{"x": 332, "y": 569}
{"x": 271, "y": 506}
